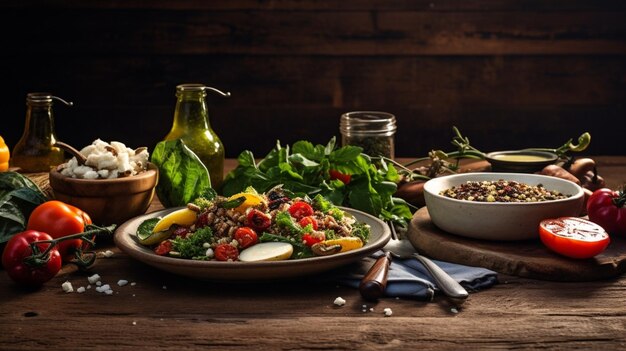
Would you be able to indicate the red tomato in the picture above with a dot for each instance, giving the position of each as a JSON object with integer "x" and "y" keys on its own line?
{"x": 573, "y": 237}
{"x": 246, "y": 237}
{"x": 226, "y": 252}
{"x": 608, "y": 208}
{"x": 300, "y": 209}
{"x": 15, "y": 259}
{"x": 310, "y": 239}
{"x": 308, "y": 220}
{"x": 164, "y": 248}
{"x": 258, "y": 220}
{"x": 343, "y": 177}
{"x": 59, "y": 219}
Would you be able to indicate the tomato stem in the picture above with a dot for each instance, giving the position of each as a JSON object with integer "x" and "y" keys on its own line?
{"x": 41, "y": 258}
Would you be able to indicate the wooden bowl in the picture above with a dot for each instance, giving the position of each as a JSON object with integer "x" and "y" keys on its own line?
{"x": 107, "y": 201}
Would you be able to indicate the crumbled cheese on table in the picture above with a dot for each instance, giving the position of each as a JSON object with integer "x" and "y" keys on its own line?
{"x": 67, "y": 287}
{"x": 93, "y": 279}
{"x": 339, "y": 301}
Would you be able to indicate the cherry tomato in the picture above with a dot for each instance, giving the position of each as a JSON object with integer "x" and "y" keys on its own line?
{"x": 59, "y": 219}
{"x": 310, "y": 239}
{"x": 608, "y": 208}
{"x": 246, "y": 237}
{"x": 15, "y": 259}
{"x": 226, "y": 252}
{"x": 308, "y": 220}
{"x": 258, "y": 220}
{"x": 164, "y": 248}
{"x": 573, "y": 237}
{"x": 300, "y": 209}
{"x": 343, "y": 177}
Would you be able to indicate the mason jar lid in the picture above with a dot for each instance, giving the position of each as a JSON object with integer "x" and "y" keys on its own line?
{"x": 367, "y": 123}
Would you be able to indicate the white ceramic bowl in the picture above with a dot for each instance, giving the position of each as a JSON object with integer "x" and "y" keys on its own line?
{"x": 499, "y": 220}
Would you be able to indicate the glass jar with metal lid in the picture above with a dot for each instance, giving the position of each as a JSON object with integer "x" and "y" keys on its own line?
{"x": 372, "y": 130}
{"x": 35, "y": 151}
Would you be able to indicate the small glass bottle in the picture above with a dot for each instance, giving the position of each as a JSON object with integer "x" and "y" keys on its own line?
{"x": 191, "y": 124}
{"x": 373, "y": 131}
{"x": 35, "y": 151}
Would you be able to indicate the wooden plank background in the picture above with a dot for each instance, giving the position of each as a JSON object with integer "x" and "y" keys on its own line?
{"x": 510, "y": 74}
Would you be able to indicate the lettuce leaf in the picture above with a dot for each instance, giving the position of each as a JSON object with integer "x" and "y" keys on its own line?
{"x": 182, "y": 176}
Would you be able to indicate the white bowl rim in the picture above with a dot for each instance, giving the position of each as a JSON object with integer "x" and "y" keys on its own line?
{"x": 511, "y": 176}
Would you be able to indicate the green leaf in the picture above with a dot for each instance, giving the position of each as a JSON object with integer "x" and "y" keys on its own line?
{"x": 365, "y": 200}
{"x": 302, "y": 160}
{"x": 145, "y": 228}
{"x": 10, "y": 181}
{"x": 246, "y": 159}
{"x": 233, "y": 203}
{"x": 307, "y": 150}
{"x": 328, "y": 149}
{"x": 182, "y": 176}
{"x": 270, "y": 160}
{"x": 345, "y": 154}
{"x": 19, "y": 196}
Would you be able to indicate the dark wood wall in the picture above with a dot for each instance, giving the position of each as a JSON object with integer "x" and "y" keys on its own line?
{"x": 510, "y": 74}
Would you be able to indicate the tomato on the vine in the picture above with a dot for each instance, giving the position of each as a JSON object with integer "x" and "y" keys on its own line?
{"x": 246, "y": 237}
{"x": 300, "y": 209}
{"x": 608, "y": 209}
{"x": 573, "y": 237}
{"x": 226, "y": 252}
{"x": 19, "y": 260}
{"x": 59, "y": 219}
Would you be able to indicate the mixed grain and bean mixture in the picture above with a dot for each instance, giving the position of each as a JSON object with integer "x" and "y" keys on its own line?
{"x": 501, "y": 191}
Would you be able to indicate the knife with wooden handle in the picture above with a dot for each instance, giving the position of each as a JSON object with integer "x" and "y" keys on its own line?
{"x": 374, "y": 282}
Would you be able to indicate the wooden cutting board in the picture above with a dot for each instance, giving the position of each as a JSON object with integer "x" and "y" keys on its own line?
{"x": 528, "y": 259}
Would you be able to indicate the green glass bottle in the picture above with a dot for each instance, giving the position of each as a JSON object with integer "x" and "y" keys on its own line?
{"x": 35, "y": 151}
{"x": 191, "y": 124}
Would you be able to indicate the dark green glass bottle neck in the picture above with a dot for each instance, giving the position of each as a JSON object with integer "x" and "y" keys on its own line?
{"x": 191, "y": 111}
{"x": 40, "y": 123}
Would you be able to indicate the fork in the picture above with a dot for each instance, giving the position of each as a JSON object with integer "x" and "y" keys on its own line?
{"x": 374, "y": 282}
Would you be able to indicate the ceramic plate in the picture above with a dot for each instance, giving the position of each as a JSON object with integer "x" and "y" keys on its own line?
{"x": 125, "y": 239}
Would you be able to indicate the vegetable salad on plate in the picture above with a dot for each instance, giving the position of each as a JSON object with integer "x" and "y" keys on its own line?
{"x": 249, "y": 226}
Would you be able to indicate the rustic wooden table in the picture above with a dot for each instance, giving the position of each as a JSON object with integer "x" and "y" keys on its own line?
{"x": 164, "y": 311}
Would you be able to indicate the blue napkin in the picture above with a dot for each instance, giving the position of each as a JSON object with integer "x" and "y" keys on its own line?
{"x": 409, "y": 278}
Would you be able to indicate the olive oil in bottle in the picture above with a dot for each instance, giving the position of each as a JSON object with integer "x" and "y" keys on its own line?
{"x": 191, "y": 124}
{"x": 35, "y": 151}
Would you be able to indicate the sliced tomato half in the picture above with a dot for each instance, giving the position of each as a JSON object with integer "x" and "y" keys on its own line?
{"x": 573, "y": 237}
